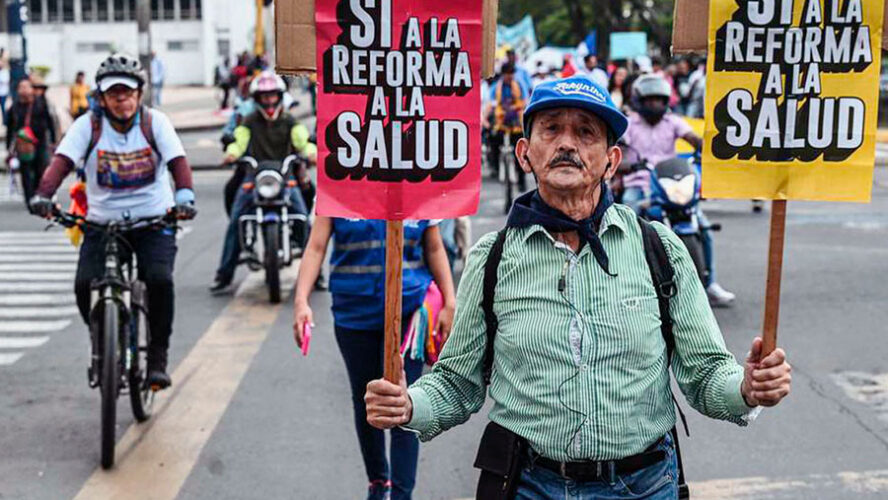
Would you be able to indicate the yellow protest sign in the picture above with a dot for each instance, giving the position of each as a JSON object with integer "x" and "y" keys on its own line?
{"x": 792, "y": 92}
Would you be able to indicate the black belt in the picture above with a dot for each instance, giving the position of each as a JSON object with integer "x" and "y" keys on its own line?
{"x": 592, "y": 470}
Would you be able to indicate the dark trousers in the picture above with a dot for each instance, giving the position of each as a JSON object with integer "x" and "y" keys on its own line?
{"x": 363, "y": 354}
{"x": 156, "y": 253}
{"x": 31, "y": 173}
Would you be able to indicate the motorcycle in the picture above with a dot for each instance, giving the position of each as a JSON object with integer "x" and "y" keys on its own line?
{"x": 675, "y": 201}
{"x": 272, "y": 220}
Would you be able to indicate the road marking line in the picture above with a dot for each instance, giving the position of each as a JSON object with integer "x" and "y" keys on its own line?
{"x": 22, "y": 342}
{"x": 8, "y": 358}
{"x": 44, "y": 266}
{"x": 35, "y": 276}
{"x": 156, "y": 458}
{"x": 37, "y": 312}
{"x": 35, "y": 287}
{"x": 35, "y": 326}
{"x": 36, "y": 299}
{"x": 39, "y": 257}
{"x": 14, "y": 235}
{"x": 39, "y": 248}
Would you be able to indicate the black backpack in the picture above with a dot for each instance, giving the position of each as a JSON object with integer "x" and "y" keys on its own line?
{"x": 663, "y": 276}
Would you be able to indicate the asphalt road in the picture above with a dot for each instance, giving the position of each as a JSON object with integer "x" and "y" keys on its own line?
{"x": 249, "y": 417}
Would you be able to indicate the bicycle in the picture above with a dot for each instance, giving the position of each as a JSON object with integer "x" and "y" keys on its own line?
{"x": 118, "y": 304}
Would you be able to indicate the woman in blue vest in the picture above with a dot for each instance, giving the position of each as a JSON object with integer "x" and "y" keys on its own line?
{"x": 357, "y": 283}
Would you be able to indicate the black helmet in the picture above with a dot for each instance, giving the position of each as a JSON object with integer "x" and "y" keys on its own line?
{"x": 122, "y": 66}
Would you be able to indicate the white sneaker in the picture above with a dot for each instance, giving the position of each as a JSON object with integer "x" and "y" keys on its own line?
{"x": 718, "y": 296}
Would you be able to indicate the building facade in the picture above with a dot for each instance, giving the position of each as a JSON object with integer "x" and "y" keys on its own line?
{"x": 189, "y": 36}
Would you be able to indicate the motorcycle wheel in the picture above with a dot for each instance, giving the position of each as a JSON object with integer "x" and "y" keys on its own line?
{"x": 271, "y": 235}
{"x": 694, "y": 244}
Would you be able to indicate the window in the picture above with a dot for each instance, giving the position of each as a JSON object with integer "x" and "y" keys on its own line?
{"x": 87, "y": 11}
{"x": 120, "y": 14}
{"x": 185, "y": 9}
{"x": 155, "y": 10}
{"x": 131, "y": 4}
{"x": 35, "y": 11}
{"x": 52, "y": 11}
{"x": 169, "y": 9}
{"x": 102, "y": 10}
{"x": 67, "y": 11}
{"x": 197, "y": 9}
{"x": 182, "y": 45}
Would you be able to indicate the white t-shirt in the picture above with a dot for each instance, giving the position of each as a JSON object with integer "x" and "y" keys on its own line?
{"x": 123, "y": 173}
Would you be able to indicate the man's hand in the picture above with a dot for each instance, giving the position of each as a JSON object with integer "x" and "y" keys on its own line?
{"x": 765, "y": 381}
{"x": 229, "y": 159}
{"x": 41, "y": 206}
{"x": 388, "y": 405}
{"x": 185, "y": 211}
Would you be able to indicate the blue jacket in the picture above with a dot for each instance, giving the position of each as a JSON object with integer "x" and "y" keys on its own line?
{"x": 357, "y": 272}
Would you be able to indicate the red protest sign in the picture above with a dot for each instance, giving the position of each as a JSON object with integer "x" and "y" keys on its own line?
{"x": 399, "y": 132}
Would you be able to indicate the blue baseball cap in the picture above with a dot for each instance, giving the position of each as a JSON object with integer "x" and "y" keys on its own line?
{"x": 576, "y": 92}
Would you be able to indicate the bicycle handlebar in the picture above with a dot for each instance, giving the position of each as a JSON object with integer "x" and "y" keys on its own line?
{"x": 70, "y": 220}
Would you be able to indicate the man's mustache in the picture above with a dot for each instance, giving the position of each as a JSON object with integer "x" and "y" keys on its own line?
{"x": 566, "y": 157}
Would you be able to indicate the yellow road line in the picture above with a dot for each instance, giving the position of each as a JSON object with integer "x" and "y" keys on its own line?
{"x": 155, "y": 458}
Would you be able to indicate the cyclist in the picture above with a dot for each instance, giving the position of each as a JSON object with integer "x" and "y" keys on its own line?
{"x": 268, "y": 133}
{"x": 129, "y": 152}
{"x": 508, "y": 98}
{"x": 651, "y": 136}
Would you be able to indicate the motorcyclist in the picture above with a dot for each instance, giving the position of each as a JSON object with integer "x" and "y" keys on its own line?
{"x": 269, "y": 133}
{"x": 651, "y": 137}
{"x": 129, "y": 152}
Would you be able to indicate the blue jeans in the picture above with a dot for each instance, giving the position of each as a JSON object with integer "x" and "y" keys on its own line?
{"x": 231, "y": 246}
{"x": 708, "y": 248}
{"x": 656, "y": 482}
{"x": 362, "y": 352}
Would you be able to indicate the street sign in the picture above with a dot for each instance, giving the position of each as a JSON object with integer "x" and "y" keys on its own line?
{"x": 792, "y": 93}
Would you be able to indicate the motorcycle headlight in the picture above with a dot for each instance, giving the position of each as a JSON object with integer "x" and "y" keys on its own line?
{"x": 269, "y": 183}
{"x": 679, "y": 192}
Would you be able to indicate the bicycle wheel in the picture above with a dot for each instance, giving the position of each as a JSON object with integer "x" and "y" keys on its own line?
{"x": 108, "y": 381}
{"x": 271, "y": 235}
{"x": 141, "y": 395}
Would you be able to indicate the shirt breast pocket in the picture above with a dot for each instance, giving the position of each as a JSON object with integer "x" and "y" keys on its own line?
{"x": 632, "y": 323}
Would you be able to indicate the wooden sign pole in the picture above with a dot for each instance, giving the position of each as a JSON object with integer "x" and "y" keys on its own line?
{"x": 775, "y": 268}
{"x": 394, "y": 260}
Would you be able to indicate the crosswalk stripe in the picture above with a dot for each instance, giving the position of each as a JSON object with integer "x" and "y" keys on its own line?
{"x": 37, "y": 312}
{"x": 22, "y": 342}
{"x": 38, "y": 257}
{"x": 35, "y": 276}
{"x": 38, "y": 248}
{"x": 35, "y": 287}
{"x": 48, "y": 239}
{"x": 33, "y": 326}
{"x": 36, "y": 299}
{"x": 8, "y": 358}
{"x": 41, "y": 267}
{"x": 29, "y": 234}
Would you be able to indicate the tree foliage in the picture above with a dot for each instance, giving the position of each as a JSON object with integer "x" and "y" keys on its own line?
{"x": 567, "y": 22}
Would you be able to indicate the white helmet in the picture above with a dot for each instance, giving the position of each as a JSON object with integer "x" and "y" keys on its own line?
{"x": 651, "y": 85}
{"x": 267, "y": 81}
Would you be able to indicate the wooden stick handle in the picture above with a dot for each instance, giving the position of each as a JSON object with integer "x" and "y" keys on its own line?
{"x": 394, "y": 261}
{"x": 775, "y": 268}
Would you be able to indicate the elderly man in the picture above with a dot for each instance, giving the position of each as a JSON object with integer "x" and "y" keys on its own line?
{"x": 580, "y": 362}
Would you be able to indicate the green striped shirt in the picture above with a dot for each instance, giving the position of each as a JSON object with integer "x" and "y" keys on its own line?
{"x": 581, "y": 374}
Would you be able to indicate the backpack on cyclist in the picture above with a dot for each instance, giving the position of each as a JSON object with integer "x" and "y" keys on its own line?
{"x": 663, "y": 276}
{"x": 145, "y": 125}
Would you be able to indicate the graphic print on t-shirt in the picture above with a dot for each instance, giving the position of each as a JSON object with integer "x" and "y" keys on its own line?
{"x": 125, "y": 170}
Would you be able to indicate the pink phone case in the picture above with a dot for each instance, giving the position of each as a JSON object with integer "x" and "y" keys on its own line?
{"x": 306, "y": 338}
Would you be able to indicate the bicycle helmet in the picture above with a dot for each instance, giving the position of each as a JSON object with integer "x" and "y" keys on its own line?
{"x": 120, "y": 69}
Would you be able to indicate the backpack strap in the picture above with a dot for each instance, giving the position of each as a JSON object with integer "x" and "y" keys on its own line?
{"x": 490, "y": 320}
{"x": 95, "y": 121}
{"x": 663, "y": 276}
{"x": 146, "y": 121}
